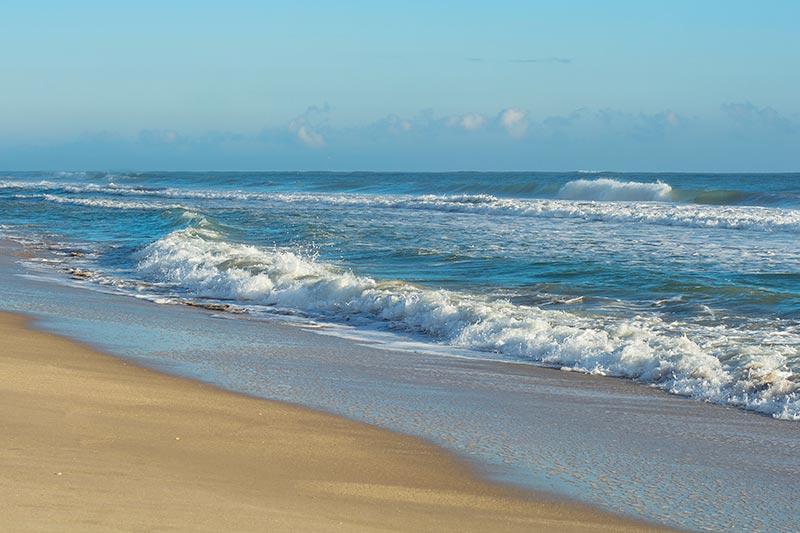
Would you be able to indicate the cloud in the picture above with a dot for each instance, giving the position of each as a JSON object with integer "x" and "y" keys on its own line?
{"x": 307, "y": 127}
{"x": 561, "y": 60}
{"x": 514, "y": 121}
{"x": 395, "y": 124}
{"x": 638, "y": 126}
{"x": 475, "y": 59}
{"x": 672, "y": 118}
{"x": 740, "y": 136}
{"x": 426, "y": 124}
{"x": 469, "y": 121}
{"x": 392, "y": 125}
{"x": 158, "y": 136}
{"x": 748, "y": 115}
{"x": 308, "y": 136}
{"x": 563, "y": 122}
{"x": 656, "y": 125}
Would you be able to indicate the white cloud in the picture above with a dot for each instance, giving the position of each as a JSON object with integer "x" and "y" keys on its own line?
{"x": 307, "y": 135}
{"x": 515, "y": 121}
{"x": 394, "y": 124}
{"x": 469, "y": 122}
{"x": 307, "y": 127}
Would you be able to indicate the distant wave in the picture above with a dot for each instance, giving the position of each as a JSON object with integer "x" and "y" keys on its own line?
{"x": 14, "y": 184}
{"x": 662, "y": 214}
{"x": 109, "y": 204}
{"x": 725, "y": 367}
{"x": 611, "y": 190}
{"x": 648, "y": 211}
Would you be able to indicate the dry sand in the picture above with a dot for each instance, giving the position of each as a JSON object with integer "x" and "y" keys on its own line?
{"x": 89, "y": 442}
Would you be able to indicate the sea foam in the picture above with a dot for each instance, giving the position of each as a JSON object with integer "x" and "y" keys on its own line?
{"x": 713, "y": 364}
{"x": 106, "y": 203}
{"x": 641, "y": 212}
{"x": 602, "y": 200}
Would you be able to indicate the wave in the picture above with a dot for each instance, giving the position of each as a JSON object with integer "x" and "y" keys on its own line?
{"x": 107, "y": 203}
{"x": 695, "y": 216}
{"x": 712, "y": 364}
{"x": 647, "y": 209}
{"x": 13, "y": 184}
{"x": 611, "y": 190}
{"x": 654, "y": 213}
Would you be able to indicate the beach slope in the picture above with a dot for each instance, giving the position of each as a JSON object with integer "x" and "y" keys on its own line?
{"x": 90, "y": 442}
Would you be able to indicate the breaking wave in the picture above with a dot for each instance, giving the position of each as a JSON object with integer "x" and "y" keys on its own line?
{"x": 661, "y": 214}
{"x": 611, "y": 190}
{"x": 106, "y": 203}
{"x": 588, "y": 200}
{"x": 748, "y": 369}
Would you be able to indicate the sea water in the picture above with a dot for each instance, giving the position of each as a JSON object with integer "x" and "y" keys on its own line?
{"x": 685, "y": 283}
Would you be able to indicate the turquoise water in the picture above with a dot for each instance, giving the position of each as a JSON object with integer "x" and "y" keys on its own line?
{"x": 690, "y": 283}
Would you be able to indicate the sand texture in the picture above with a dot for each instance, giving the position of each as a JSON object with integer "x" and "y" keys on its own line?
{"x": 89, "y": 442}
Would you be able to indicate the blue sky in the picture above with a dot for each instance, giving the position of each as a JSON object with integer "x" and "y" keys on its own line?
{"x": 618, "y": 85}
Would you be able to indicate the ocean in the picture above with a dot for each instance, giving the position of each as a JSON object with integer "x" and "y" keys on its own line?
{"x": 686, "y": 286}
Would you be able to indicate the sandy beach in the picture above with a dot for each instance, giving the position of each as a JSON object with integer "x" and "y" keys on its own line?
{"x": 91, "y": 442}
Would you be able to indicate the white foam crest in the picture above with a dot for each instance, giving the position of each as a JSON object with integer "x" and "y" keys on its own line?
{"x": 611, "y": 190}
{"x": 712, "y": 365}
{"x": 126, "y": 190}
{"x": 662, "y": 214}
{"x": 13, "y": 184}
{"x": 110, "y": 204}
{"x": 641, "y": 212}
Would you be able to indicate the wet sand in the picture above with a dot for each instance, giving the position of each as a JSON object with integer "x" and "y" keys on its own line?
{"x": 91, "y": 442}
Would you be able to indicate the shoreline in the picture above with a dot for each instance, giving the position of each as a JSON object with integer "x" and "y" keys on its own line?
{"x": 94, "y": 442}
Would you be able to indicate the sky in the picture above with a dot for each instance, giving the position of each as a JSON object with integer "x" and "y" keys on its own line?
{"x": 694, "y": 86}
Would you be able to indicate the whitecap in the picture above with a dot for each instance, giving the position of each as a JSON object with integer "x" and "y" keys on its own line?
{"x": 711, "y": 364}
